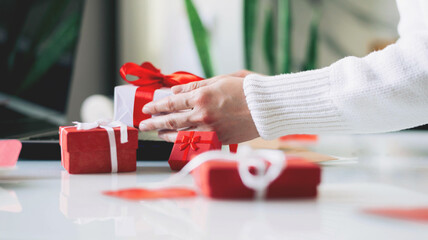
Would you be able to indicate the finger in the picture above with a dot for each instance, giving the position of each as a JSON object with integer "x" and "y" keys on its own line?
{"x": 188, "y": 87}
{"x": 241, "y": 73}
{"x": 168, "y": 135}
{"x": 170, "y": 104}
{"x": 171, "y": 121}
{"x": 171, "y": 135}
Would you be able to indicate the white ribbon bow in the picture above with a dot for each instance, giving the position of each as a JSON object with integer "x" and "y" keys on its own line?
{"x": 108, "y": 125}
{"x": 246, "y": 158}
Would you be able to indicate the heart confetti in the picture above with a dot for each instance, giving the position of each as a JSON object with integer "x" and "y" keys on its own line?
{"x": 141, "y": 193}
{"x": 413, "y": 214}
{"x": 9, "y": 153}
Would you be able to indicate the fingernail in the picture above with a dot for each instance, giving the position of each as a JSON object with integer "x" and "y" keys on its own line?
{"x": 176, "y": 89}
{"x": 143, "y": 127}
{"x": 146, "y": 109}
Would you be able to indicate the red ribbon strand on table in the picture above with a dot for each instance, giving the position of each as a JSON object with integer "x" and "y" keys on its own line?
{"x": 150, "y": 79}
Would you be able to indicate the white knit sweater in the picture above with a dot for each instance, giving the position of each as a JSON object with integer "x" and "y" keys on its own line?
{"x": 384, "y": 91}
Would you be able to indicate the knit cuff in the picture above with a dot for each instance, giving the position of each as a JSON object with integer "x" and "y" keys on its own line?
{"x": 297, "y": 103}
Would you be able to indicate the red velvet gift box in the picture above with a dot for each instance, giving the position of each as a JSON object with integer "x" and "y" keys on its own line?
{"x": 221, "y": 179}
{"x": 88, "y": 151}
{"x": 189, "y": 144}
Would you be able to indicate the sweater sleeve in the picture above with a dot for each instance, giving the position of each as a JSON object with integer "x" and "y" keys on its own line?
{"x": 384, "y": 91}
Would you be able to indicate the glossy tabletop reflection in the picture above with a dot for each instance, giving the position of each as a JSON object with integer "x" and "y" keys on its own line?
{"x": 40, "y": 200}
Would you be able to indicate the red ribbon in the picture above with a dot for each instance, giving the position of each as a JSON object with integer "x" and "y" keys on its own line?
{"x": 187, "y": 141}
{"x": 150, "y": 79}
{"x": 190, "y": 142}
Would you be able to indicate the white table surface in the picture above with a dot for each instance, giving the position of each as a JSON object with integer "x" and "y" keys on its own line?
{"x": 39, "y": 200}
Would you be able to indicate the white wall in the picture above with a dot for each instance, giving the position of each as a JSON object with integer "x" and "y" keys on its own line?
{"x": 91, "y": 73}
{"x": 158, "y": 31}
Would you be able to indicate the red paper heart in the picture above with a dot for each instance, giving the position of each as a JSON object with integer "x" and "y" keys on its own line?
{"x": 299, "y": 137}
{"x": 141, "y": 193}
{"x": 9, "y": 153}
{"x": 413, "y": 214}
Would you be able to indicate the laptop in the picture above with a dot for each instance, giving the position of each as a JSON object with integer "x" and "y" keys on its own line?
{"x": 37, "y": 49}
{"x": 38, "y": 44}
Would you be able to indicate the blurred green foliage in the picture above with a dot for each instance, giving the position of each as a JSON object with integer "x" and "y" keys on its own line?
{"x": 38, "y": 35}
{"x": 201, "y": 38}
{"x": 276, "y": 35}
{"x": 250, "y": 20}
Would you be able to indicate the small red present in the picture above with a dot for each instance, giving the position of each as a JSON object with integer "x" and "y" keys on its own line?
{"x": 222, "y": 179}
{"x": 189, "y": 144}
{"x": 98, "y": 148}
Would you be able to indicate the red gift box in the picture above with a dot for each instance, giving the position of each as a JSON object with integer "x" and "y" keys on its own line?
{"x": 149, "y": 80}
{"x": 189, "y": 144}
{"x": 221, "y": 179}
{"x": 88, "y": 151}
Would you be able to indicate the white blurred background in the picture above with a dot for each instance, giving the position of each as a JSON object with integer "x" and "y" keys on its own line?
{"x": 158, "y": 31}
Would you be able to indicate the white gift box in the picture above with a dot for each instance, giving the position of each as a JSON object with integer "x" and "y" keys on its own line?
{"x": 124, "y": 97}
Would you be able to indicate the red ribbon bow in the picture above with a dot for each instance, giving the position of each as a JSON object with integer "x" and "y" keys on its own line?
{"x": 190, "y": 142}
{"x": 149, "y": 76}
{"x": 150, "y": 79}
{"x": 187, "y": 141}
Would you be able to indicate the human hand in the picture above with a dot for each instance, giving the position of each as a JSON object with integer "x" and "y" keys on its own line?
{"x": 217, "y": 104}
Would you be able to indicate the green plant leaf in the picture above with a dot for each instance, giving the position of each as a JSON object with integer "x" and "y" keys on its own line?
{"x": 59, "y": 42}
{"x": 45, "y": 26}
{"x": 312, "y": 49}
{"x": 269, "y": 41}
{"x": 285, "y": 25}
{"x": 15, "y": 29}
{"x": 48, "y": 22}
{"x": 250, "y": 19}
{"x": 201, "y": 38}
